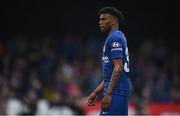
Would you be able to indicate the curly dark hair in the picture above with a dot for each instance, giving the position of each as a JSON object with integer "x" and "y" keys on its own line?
{"x": 112, "y": 11}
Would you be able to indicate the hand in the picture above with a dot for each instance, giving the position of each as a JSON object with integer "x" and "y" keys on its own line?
{"x": 106, "y": 101}
{"x": 92, "y": 99}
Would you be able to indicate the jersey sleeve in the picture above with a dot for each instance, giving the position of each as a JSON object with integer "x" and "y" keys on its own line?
{"x": 116, "y": 48}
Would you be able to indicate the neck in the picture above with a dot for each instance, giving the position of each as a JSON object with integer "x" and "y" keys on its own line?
{"x": 113, "y": 28}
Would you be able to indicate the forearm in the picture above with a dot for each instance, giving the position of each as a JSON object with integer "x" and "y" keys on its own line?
{"x": 100, "y": 88}
{"x": 114, "y": 79}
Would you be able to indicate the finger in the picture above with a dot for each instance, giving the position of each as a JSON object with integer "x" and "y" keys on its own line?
{"x": 105, "y": 105}
{"x": 102, "y": 105}
{"x": 90, "y": 101}
{"x": 91, "y": 104}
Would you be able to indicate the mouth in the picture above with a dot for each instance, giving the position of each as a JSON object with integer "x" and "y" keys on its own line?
{"x": 101, "y": 27}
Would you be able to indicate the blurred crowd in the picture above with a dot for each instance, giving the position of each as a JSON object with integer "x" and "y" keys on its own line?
{"x": 55, "y": 75}
{"x": 155, "y": 74}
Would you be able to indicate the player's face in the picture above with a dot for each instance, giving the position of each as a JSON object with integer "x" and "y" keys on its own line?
{"x": 105, "y": 22}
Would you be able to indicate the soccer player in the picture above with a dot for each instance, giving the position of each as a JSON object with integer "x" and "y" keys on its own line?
{"x": 115, "y": 65}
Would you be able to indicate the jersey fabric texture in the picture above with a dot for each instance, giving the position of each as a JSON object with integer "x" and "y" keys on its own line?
{"x": 115, "y": 47}
{"x": 118, "y": 106}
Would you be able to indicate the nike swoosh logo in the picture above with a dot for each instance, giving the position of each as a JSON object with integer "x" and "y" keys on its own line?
{"x": 105, "y": 112}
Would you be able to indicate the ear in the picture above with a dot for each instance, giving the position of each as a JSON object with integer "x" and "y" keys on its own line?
{"x": 114, "y": 20}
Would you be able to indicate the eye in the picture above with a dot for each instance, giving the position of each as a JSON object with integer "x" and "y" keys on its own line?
{"x": 102, "y": 18}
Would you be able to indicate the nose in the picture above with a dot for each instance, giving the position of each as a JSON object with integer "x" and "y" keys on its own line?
{"x": 100, "y": 22}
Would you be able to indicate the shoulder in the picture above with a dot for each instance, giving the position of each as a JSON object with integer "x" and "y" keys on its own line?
{"x": 114, "y": 39}
{"x": 116, "y": 36}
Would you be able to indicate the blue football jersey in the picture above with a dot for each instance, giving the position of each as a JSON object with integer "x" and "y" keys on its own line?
{"x": 115, "y": 47}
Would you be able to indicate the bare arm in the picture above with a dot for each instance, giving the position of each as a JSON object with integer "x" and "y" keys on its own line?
{"x": 114, "y": 79}
{"x": 99, "y": 89}
{"x": 95, "y": 94}
{"x": 115, "y": 75}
